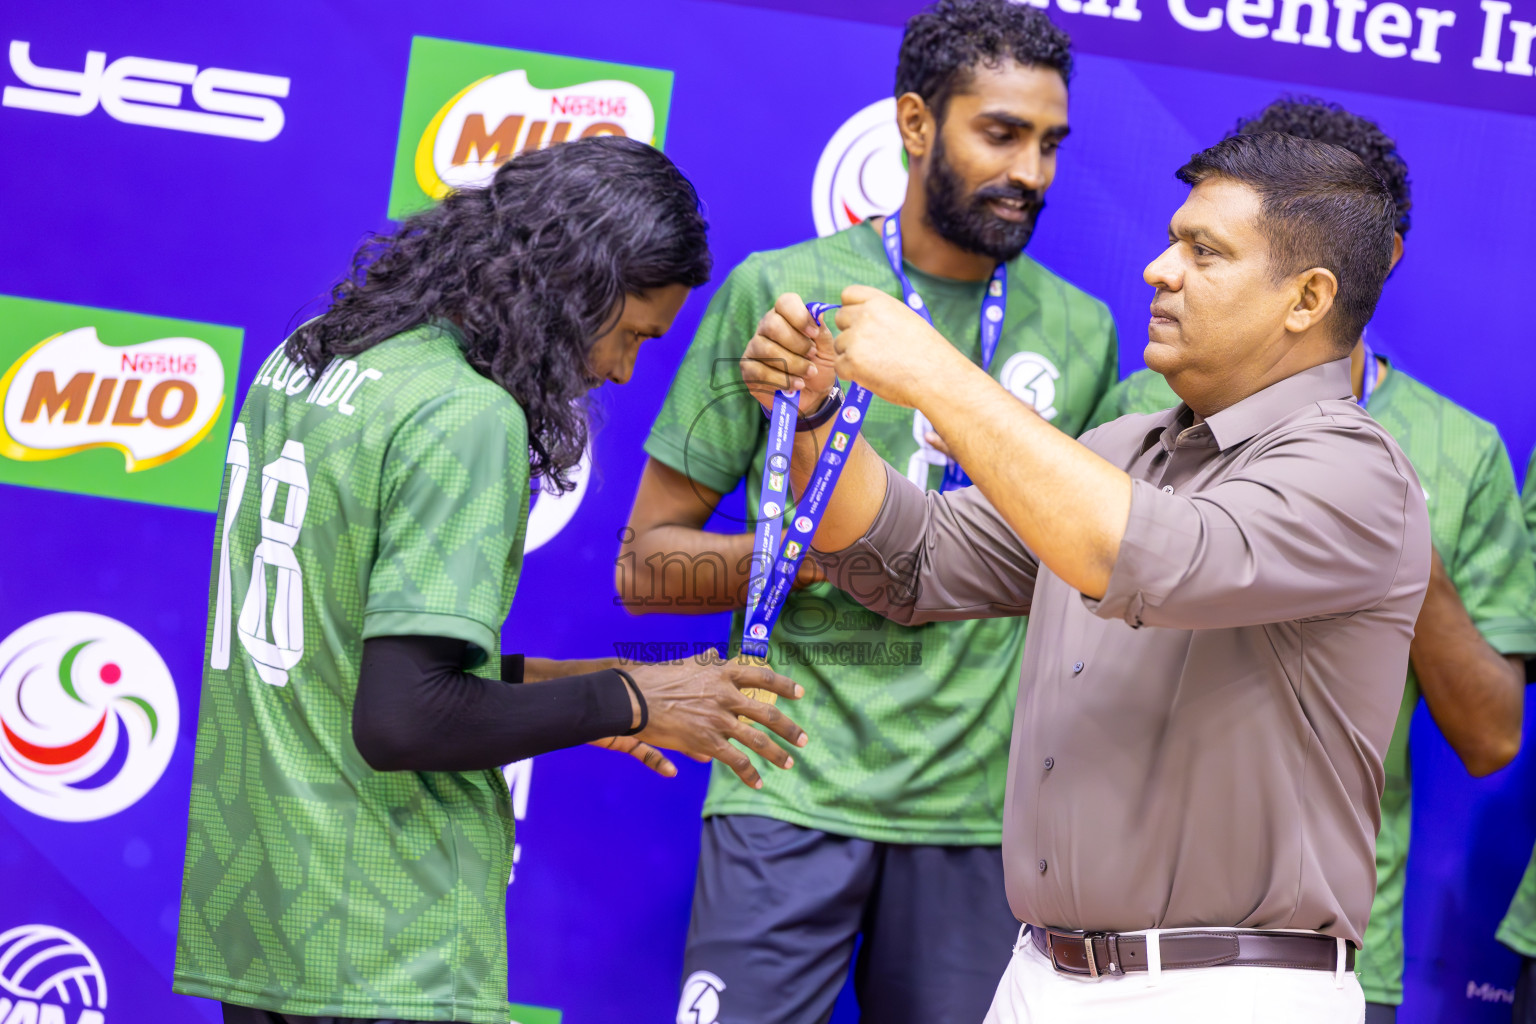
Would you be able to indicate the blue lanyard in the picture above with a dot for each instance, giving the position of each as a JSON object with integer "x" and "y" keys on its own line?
{"x": 775, "y": 567}
{"x": 994, "y": 306}
{"x": 1367, "y": 374}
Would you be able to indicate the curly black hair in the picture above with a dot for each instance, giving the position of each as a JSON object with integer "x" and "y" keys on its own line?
{"x": 1310, "y": 118}
{"x": 943, "y": 44}
{"x": 532, "y": 269}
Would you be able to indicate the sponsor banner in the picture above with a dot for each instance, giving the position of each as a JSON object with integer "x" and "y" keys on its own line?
{"x": 141, "y": 90}
{"x": 862, "y": 172}
{"x": 97, "y": 401}
{"x": 534, "y": 1015}
{"x": 88, "y": 716}
{"x": 1474, "y": 54}
{"x": 470, "y": 108}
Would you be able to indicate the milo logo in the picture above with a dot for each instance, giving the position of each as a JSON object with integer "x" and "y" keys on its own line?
{"x": 97, "y": 401}
{"x": 469, "y": 109}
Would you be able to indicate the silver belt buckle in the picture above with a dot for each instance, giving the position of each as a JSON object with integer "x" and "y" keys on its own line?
{"x": 1093, "y": 966}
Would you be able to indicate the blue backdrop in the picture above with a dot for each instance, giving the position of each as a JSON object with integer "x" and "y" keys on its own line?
{"x": 97, "y": 210}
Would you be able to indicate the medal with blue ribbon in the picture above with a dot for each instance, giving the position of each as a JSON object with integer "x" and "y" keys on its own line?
{"x": 777, "y": 559}
{"x": 1368, "y": 373}
{"x": 994, "y": 306}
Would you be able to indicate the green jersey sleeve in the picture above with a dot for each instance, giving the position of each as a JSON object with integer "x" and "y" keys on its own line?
{"x": 1528, "y": 495}
{"x": 454, "y": 498}
{"x": 1492, "y": 566}
{"x": 1142, "y": 392}
{"x": 708, "y": 426}
{"x": 1108, "y": 408}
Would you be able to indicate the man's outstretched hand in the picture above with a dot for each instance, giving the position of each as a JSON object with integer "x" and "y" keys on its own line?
{"x": 699, "y": 706}
{"x": 890, "y": 349}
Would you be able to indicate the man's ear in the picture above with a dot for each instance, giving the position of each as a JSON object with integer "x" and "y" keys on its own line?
{"x": 1314, "y": 292}
{"x": 915, "y": 121}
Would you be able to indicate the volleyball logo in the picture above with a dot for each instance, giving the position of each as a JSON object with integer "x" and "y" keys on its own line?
{"x": 43, "y": 964}
{"x": 862, "y": 171}
{"x": 88, "y": 716}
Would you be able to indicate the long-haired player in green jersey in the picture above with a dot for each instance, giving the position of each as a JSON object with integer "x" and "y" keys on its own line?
{"x": 1479, "y": 615}
{"x": 351, "y": 837}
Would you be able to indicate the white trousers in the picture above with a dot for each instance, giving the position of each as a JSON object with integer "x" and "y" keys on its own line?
{"x": 1032, "y": 992}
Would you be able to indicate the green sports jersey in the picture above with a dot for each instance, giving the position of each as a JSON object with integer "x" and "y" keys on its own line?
{"x": 1518, "y": 929}
{"x": 909, "y": 726}
{"x": 387, "y": 498}
{"x": 1143, "y": 391}
{"x": 1475, "y": 522}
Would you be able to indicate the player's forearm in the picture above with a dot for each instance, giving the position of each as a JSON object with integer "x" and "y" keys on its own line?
{"x": 855, "y": 502}
{"x": 538, "y": 670}
{"x": 682, "y": 570}
{"x": 415, "y": 709}
{"x": 1475, "y": 694}
{"x": 1067, "y": 504}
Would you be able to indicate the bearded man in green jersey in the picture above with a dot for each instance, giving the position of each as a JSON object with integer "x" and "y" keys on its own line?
{"x": 1518, "y": 929}
{"x": 890, "y": 830}
{"x": 1479, "y": 615}
{"x": 350, "y": 838}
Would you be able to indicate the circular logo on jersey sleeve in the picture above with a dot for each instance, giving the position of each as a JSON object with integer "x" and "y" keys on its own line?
{"x": 88, "y": 716}
{"x": 860, "y": 174}
{"x": 1031, "y": 378}
{"x": 700, "y": 1003}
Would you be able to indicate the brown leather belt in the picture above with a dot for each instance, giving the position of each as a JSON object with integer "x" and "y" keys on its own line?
{"x": 1096, "y": 954}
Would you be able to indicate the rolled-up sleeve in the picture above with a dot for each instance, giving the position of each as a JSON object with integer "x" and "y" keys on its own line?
{"x": 1302, "y": 530}
{"x": 934, "y": 556}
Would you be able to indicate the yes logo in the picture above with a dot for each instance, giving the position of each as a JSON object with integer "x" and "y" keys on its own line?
{"x": 139, "y": 90}
{"x": 88, "y": 716}
{"x": 862, "y": 172}
{"x": 99, "y": 402}
{"x": 469, "y": 108}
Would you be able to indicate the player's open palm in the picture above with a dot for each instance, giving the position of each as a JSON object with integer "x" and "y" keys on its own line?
{"x": 697, "y": 707}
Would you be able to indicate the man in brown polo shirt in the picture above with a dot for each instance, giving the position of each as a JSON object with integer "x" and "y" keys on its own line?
{"x": 1221, "y": 599}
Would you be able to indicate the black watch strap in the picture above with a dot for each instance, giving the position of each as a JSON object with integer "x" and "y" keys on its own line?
{"x": 829, "y": 408}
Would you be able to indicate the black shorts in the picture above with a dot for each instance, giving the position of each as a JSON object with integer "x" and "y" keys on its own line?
{"x": 251, "y": 1015}
{"x": 777, "y": 907}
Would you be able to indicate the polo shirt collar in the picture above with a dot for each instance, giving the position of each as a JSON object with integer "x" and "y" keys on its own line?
{"x": 1323, "y": 382}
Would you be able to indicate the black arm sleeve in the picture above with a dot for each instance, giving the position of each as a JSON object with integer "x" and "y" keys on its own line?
{"x": 418, "y": 710}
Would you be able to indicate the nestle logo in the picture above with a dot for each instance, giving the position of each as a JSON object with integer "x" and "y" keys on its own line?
{"x": 1488, "y": 994}
{"x": 159, "y": 363}
{"x": 589, "y": 106}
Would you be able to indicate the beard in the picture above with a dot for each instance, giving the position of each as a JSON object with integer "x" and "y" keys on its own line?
{"x": 967, "y": 221}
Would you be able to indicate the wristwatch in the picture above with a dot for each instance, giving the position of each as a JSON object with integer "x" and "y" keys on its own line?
{"x": 829, "y": 407}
